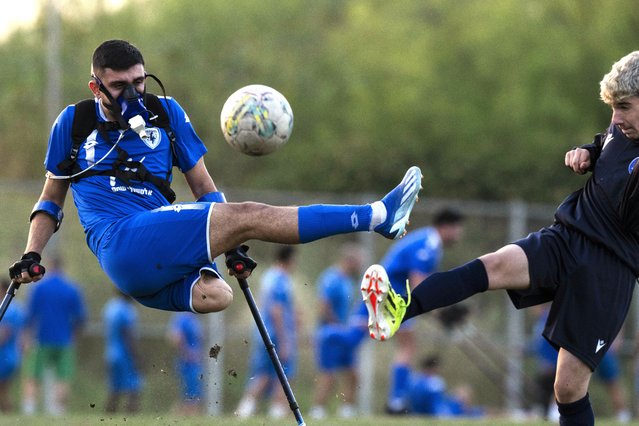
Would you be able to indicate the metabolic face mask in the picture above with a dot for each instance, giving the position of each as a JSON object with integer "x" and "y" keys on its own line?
{"x": 129, "y": 108}
{"x": 131, "y": 103}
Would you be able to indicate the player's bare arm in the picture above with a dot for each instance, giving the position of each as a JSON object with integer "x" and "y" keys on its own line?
{"x": 578, "y": 160}
{"x": 43, "y": 225}
{"x": 199, "y": 180}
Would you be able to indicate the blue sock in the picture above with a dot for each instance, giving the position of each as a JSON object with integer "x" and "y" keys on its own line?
{"x": 400, "y": 375}
{"x": 320, "y": 220}
{"x": 578, "y": 413}
{"x": 447, "y": 288}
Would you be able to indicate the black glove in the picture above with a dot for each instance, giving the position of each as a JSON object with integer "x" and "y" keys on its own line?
{"x": 238, "y": 261}
{"x": 29, "y": 262}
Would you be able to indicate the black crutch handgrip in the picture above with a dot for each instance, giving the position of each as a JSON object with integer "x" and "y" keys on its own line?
{"x": 238, "y": 261}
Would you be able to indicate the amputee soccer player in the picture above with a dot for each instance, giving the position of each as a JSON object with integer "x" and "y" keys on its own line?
{"x": 586, "y": 262}
{"x": 158, "y": 253}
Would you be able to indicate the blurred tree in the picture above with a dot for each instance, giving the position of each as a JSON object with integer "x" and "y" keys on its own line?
{"x": 484, "y": 96}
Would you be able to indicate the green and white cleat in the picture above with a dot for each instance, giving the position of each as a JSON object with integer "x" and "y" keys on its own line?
{"x": 386, "y": 308}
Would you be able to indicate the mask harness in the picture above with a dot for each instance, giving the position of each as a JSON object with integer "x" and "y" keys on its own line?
{"x": 131, "y": 113}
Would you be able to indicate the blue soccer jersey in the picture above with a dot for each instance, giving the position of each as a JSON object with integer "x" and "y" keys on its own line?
{"x": 419, "y": 251}
{"x": 276, "y": 291}
{"x": 187, "y": 326}
{"x": 102, "y": 199}
{"x": 189, "y": 358}
{"x": 335, "y": 288}
{"x": 11, "y": 328}
{"x": 120, "y": 324}
{"x": 56, "y": 309}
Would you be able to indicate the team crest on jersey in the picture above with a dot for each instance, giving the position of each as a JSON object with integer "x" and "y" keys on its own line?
{"x": 153, "y": 137}
{"x": 632, "y": 165}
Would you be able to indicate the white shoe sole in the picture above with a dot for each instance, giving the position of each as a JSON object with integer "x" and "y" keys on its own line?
{"x": 374, "y": 289}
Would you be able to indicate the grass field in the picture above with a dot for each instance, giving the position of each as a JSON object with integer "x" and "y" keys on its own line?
{"x": 264, "y": 421}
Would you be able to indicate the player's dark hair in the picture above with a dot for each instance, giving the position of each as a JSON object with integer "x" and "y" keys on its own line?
{"x": 284, "y": 253}
{"x": 448, "y": 216}
{"x": 118, "y": 55}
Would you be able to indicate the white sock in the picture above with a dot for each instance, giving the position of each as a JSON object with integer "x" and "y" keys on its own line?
{"x": 28, "y": 407}
{"x": 317, "y": 412}
{"x": 379, "y": 214}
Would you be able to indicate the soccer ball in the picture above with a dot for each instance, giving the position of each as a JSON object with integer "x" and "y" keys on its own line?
{"x": 256, "y": 120}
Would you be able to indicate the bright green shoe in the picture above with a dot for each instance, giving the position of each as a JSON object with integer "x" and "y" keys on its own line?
{"x": 385, "y": 307}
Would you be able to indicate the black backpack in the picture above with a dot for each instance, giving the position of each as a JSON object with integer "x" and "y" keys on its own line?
{"x": 85, "y": 121}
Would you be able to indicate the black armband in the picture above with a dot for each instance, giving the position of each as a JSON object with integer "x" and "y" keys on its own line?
{"x": 50, "y": 208}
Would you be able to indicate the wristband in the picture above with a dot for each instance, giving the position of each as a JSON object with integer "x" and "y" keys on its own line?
{"x": 52, "y": 209}
{"x": 213, "y": 197}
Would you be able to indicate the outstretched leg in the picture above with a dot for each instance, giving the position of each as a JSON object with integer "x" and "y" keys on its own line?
{"x": 231, "y": 224}
{"x": 506, "y": 268}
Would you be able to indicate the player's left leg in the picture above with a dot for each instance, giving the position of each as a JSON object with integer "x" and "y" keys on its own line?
{"x": 507, "y": 268}
{"x": 571, "y": 390}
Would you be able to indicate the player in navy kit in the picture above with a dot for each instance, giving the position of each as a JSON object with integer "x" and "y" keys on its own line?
{"x": 158, "y": 253}
{"x": 586, "y": 263}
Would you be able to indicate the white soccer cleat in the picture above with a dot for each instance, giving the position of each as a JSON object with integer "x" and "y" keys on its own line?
{"x": 399, "y": 203}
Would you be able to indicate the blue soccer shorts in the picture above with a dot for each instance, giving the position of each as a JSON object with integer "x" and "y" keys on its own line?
{"x": 157, "y": 256}
{"x": 262, "y": 365}
{"x": 336, "y": 348}
{"x": 123, "y": 376}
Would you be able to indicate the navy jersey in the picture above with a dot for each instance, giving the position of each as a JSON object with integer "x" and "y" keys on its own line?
{"x": 102, "y": 199}
{"x": 595, "y": 209}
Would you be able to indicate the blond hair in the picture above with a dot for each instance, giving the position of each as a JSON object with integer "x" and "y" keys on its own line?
{"x": 622, "y": 81}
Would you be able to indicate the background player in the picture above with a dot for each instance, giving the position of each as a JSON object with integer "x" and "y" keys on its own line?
{"x": 121, "y": 354}
{"x": 56, "y": 314}
{"x": 277, "y": 305}
{"x": 336, "y": 342}
{"x": 186, "y": 335}
{"x": 11, "y": 346}
{"x": 413, "y": 259}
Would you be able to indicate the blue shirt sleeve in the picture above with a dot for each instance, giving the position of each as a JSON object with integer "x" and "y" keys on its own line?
{"x": 60, "y": 141}
{"x": 188, "y": 147}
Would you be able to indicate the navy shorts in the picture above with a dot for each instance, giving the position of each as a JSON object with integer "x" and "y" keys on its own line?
{"x": 589, "y": 286}
{"x": 157, "y": 256}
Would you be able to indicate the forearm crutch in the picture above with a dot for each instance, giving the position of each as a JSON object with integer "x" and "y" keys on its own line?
{"x": 8, "y": 297}
{"x": 240, "y": 263}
